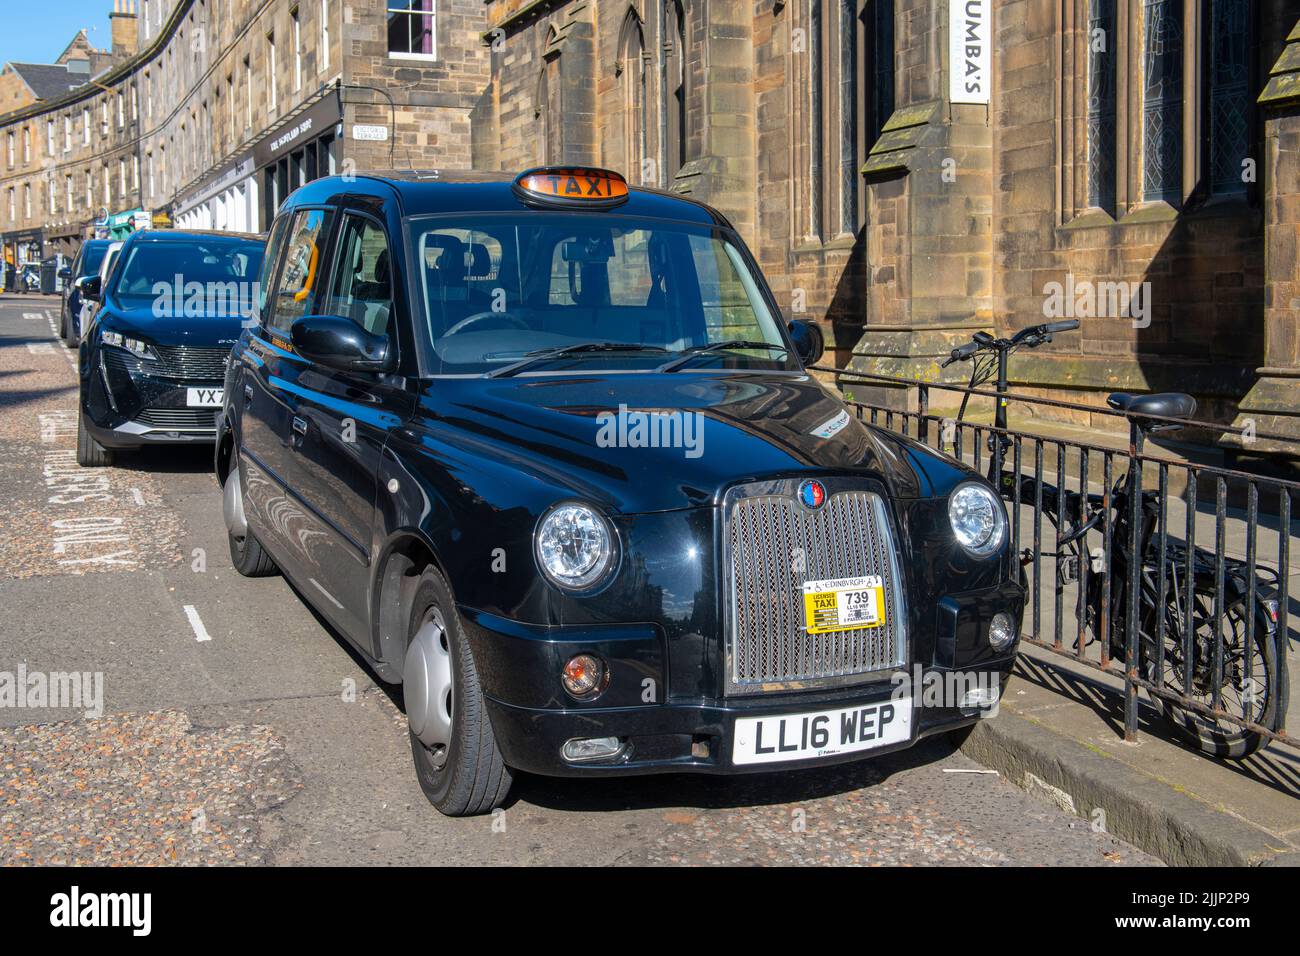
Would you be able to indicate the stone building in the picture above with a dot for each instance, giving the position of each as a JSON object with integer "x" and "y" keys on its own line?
{"x": 906, "y": 171}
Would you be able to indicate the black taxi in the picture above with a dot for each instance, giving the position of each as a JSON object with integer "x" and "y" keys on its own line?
{"x": 543, "y": 448}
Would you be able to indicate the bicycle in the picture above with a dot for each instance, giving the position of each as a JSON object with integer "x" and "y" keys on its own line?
{"x": 1178, "y": 629}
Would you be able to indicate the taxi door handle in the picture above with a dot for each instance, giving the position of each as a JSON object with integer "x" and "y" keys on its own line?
{"x": 248, "y": 393}
{"x": 300, "y": 425}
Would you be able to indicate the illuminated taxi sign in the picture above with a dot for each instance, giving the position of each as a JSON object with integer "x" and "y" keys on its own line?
{"x": 571, "y": 186}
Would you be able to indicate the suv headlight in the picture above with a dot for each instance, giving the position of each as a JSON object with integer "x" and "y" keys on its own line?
{"x": 977, "y": 518}
{"x": 136, "y": 347}
{"x": 575, "y": 546}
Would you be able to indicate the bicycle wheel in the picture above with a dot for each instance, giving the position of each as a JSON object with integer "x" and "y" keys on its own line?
{"x": 1247, "y": 683}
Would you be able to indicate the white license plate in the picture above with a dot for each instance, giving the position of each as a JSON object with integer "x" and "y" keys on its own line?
{"x": 204, "y": 397}
{"x": 822, "y": 733}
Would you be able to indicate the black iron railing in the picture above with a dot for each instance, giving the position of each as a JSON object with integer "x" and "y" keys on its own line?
{"x": 1207, "y": 549}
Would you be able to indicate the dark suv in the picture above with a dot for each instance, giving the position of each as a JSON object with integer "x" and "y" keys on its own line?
{"x": 154, "y": 355}
{"x": 544, "y": 449}
{"x": 85, "y": 265}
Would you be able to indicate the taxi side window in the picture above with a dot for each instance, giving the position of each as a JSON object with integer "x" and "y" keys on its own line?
{"x": 270, "y": 261}
{"x": 362, "y": 286}
{"x": 302, "y": 266}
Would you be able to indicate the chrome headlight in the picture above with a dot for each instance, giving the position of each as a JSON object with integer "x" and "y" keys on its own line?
{"x": 575, "y": 546}
{"x": 977, "y": 518}
{"x": 136, "y": 347}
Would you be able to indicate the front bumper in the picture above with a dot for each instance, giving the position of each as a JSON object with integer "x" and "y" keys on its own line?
{"x": 532, "y": 717}
{"x": 127, "y": 409}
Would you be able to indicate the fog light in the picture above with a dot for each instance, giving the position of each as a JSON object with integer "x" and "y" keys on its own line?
{"x": 1002, "y": 631}
{"x": 584, "y": 676}
{"x": 591, "y": 748}
{"x": 978, "y": 697}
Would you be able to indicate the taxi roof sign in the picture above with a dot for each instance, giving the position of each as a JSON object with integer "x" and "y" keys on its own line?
{"x": 573, "y": 186}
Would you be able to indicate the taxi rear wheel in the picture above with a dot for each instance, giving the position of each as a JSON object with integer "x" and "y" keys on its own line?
{"x": 457, "y": 760}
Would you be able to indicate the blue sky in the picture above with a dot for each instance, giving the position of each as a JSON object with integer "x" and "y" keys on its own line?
{"x": 40, "y": 34}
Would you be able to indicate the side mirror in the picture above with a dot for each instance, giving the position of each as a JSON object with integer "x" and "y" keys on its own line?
{"x": 65, "y": 273}
{"x": 89, "y": 288}
{"x": 808, "y": 341}
{"x": 340, "y": 343}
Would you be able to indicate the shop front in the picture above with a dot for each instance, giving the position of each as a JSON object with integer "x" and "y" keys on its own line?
{"x": 23, "y": 251}
{"x": 304, "y": 146}
{"x": 226, "y": 201}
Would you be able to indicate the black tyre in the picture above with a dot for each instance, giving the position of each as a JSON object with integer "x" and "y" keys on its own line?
{"x": 464, "y": 774}
{"x": 1250, "y": 689}
{"x": 90, "y": 453}
{"x": 246, "y": 552}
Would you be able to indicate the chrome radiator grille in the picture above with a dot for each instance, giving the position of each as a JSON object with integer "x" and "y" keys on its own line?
{"x": 180, "y": 419}
{"x": 773, "y": 544}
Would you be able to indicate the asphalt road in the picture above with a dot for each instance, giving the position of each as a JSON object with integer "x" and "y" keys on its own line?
{"x": 228, "y": 724}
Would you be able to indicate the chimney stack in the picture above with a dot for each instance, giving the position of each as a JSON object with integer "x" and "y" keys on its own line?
{"x": 125, "y": 30}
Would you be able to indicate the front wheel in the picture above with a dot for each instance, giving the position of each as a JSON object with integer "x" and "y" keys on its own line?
{"x": 1248, "y": 680}
{"x": 457, "y": 760}
{"x": 90, "y": 453}
{"x": 246, "y": 552}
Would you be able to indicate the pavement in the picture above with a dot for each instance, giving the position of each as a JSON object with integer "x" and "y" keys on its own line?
{"x": 216, "y": 719}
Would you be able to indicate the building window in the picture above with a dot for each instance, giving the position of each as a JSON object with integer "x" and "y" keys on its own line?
{"x": 248, "y": 93}
{"x": 674, "y": 121}
{"x": 324, "y": 35}
{"x": 53, "y": 194}
{"x": 296, "y": 24}
{"x": 90, "y": 191}
{"x": 882, "y": 59}
{"x": 10, "y": 141}
{"x": 135, "y": 172}
{"x": 27, "y": 144}
{"x": 49, "y": 135}
{"x": 13, "y": 210}
{"x": 27, "y": 200}
{"x": 848, "y": 128}
{"x": 1230, "y": 99}
{"x": 108, "y": 187}
{"x": 634, "y": 74}
{"x": 67, "y": 190}
{"x": 816, "y": 120}
{"x": 121, "y": 177}
{"x": 121, "y": 110}
{"x": 85, "y": 127}
{"x": 1162, "y": 119}
{"x": 148, "y": 168}
{"x": 67, "y": 134}
{"x": 1101, "y": 104}
{"x": 148, "y": 94}
{"x": 272, "y": 73}
{"x": 411, "y": 29}
{"x": 135, "y": 102}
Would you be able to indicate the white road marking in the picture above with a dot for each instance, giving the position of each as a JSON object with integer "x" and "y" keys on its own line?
{"x": 69, "y": 354}
{"x": 200, "y": 632}
{"x": 137, "y": 496}
{"x": 41, "y": 348}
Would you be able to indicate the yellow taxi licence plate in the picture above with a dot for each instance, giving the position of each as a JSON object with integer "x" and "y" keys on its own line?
{"x": 843, "y": 604}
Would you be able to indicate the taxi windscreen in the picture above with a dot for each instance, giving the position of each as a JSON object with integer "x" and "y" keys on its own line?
{"x": 500, "y": 288}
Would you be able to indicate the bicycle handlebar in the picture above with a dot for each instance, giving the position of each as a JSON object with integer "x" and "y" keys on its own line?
{"x": 1032, "y": 336}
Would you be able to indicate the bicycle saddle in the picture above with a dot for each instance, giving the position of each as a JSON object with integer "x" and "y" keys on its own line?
{"x": 1161, "y": 404}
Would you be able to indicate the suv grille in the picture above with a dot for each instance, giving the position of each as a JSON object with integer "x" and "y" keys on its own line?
{"x": 178, "y": 362}
{"x": 773, "y": 544}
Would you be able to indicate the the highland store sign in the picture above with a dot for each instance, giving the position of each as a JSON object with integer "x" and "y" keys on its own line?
{"x": 969, "y": 34}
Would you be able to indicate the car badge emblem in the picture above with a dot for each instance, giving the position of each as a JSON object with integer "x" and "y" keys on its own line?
{"x": 812, "y": 494}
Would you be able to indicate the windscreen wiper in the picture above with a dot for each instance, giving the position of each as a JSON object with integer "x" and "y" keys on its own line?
{"x": 539, "y": 356}
{"x": 698, "y": 350}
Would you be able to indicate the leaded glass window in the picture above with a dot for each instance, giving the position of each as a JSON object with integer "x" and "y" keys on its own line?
{"x": 816, "y": 184}
{"x": 1230, "y": 99}
{"x": 1101, "y": 104}
{"x": 1162, "y": 110}
{"x": 848, "y": 19}
{"x": 883, "y": 65}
